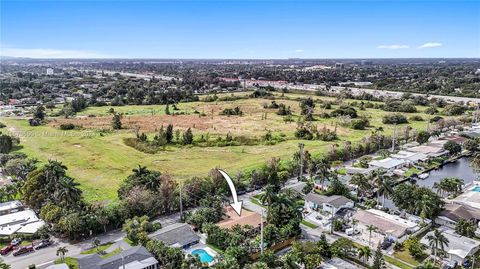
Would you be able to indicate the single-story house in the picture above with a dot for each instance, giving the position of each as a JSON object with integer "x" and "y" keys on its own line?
{"x": 21, "y": 222}
{"x": 456, "y": 138}
{"x": 392, "y": 226}
{"x": 337, "y": 263}
{"x": 430, "y": 150}
{"x": 247, "y": 218}
{"x": 351, "y": 170}
{"x": 458, "y": 248}
{"x": 176, "y": 235}
{"x": 133, "y": 258}
{"x": 454, "y": 212}
{"x": 327, "y": 203}
{"x": 410, "y": 157}
{"x": 10, "y": 207}
{"x": 388, "y": 164}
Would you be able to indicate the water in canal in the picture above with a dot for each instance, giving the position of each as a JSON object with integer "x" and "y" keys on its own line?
{"x": 460, "y": 169}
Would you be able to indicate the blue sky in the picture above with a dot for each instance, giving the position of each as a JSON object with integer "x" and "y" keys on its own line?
{"x": 240, "y": 29}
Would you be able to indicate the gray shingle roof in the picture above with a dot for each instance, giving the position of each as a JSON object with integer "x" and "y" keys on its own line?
{"x": 334, "y": 200}
{"x": 94, "y": 261}
{"x": 178, "y": 234}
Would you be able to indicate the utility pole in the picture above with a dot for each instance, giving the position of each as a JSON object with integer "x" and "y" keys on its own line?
{"x": 394, "y": 134}
{"x": 300, "y": 146}
{"x": 181, "y": 204}
{"x": 261, "y": 233}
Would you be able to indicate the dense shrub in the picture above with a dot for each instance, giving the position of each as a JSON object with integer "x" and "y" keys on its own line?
{"x": 416, "y": 118}
{"x": 394, "y": 119}
{"x": 67, "y": 126}
{"x": 345, "y": 111}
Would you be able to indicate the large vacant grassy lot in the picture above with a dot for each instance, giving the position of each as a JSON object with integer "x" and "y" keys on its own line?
{"x": 99, "y": 159}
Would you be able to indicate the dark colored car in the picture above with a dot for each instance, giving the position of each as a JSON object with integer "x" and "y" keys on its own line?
{"x": 43, "y": 244}
{"x": 23, "y": 250}
{"x": 241, "y": 192}
{"x": 7, "y": 249}
{"x": 386, "y": 244}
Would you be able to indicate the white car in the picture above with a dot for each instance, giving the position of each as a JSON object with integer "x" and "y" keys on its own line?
{"x": 349, "y": 231}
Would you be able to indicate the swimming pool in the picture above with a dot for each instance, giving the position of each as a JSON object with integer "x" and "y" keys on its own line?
{"x": 204, "y": 256}
{"x": 476, "y": 189}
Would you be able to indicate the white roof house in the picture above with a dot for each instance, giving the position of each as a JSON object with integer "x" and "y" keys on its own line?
{"x": 411, "y": 157}
{"x": 388, "y": 163}
{"x": 392, "y": 226}
{"x": 458, "y": 248}
{"x": 10, "y": 207}
{"x": 25, "y": 221}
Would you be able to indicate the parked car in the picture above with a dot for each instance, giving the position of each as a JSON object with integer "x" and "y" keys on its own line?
{"x": 250, "y": 189}
{"x": 23, "y": 250}
{"x": 386, "y": 244}
{"x": 16, "y": 241}
{"x": 241, "y": 192}
{"x": 7, "y": 249}
{"x": 43, "y": 244}
{"x": 351, "y": 232}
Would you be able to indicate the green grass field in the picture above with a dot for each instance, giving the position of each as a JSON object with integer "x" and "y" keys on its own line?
{"x": 100, "y": 160}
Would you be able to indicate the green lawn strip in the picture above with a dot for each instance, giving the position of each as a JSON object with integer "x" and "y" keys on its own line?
{"x": 412, "y": 171}
{"x": 100, "y": 249}
{"x": 128, "y": 241}
{"x": 113, "y": 253}
{"x": 396, "y": 262}
{"x": 406, "y": 257}
{"x": 257, "y": 202}
{"x": 71, "y": 262}
{"x": 342, "y": 171}
{"x": 309, "y": 224}
{"x": 219, "y": 251}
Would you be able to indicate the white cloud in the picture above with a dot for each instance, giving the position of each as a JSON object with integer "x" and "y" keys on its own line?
{"x": 299, "y": 50}
{"x": 49, "y": 53}
{"x": 393, "y": 47}
{"x": 430, "y": 45}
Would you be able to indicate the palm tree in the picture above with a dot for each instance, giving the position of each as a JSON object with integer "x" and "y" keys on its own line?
{"x": 269, "y": 196}
{"x": 475, "y": 162}
{"x": 370, "y": 229}
{"x": 384, "y": 185}
{"x": 427, "y": 265}
{"x": 61, "y": 252}
{"x": 361, "y": 182}
{"x": 354, "y": 222}
{"x": 364, "y": 253}
{"x": 437, "y": 241}
{"x": 140, "y": 171}
{"x": 68, "y": 192}
{"x": 323, "y": 170}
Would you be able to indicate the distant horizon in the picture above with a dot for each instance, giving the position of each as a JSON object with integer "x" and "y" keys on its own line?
{"x": 213, "y": 29}
{"x": 249, "y": 59}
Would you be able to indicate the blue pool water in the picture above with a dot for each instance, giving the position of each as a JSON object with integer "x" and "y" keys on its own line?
{"x": 476, "y": 189}
{"x": 204, "y": 256}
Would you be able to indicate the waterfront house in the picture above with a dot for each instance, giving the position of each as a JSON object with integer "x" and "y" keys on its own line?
{"x": 388, "y": 164}
{"x": 454, "y": 212}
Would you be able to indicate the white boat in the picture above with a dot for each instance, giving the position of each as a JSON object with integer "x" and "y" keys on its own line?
{"x": 423, "y": 176}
